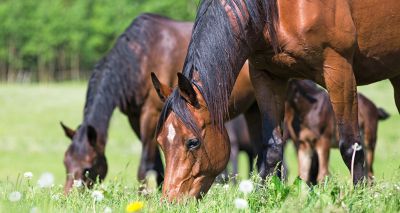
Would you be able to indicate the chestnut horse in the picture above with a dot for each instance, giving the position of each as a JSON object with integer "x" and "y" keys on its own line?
{"x": 336, "y": 43}
{"x": 122, "y": 79}
{"x": 311, "y": 125}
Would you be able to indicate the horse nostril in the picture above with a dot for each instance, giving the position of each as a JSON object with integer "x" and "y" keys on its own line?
{"x": 86, "y": 173}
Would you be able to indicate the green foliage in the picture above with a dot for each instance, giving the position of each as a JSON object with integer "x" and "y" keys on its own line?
{"x": 51, "y": 36}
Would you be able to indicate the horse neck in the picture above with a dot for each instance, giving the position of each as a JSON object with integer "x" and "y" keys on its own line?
{"x": 102, "y": 98}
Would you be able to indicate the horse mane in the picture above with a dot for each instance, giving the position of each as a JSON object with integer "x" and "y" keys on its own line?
{"x": 117, "y": 79}
{"x": 213, "y": 35}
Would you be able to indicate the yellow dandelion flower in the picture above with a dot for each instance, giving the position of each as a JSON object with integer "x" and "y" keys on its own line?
{"x": 134, "y": 206}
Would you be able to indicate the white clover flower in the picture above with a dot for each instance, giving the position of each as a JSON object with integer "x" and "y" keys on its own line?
{"x": 246, "y": 186}
{"x": 46, "y": 180}
{"x": 97, "y": 195}
{"x": 28, "y": 175}
{"x": 15, "y": 196}
{"x": 241, "y": 203}
{"x": 226, "y": 186}
{"x": 107, "y": 210}
{"x": 77, "y": 183}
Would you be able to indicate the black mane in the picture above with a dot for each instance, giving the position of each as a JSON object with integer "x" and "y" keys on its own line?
{"x": 212, "y": 54}
{"x": 117, "y": 79}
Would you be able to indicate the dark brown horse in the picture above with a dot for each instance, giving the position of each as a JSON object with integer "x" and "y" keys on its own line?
{"x": 122, "y": 79}
{"x": 336, "y": 43}
{"x": 311, "y": 124}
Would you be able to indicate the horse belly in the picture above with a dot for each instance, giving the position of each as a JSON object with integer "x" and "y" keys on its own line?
{"x": 378, "y": 38}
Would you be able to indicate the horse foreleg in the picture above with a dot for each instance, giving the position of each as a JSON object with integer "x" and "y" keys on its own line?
{"x": 341, "y": 85}
{"x": 322, "y": 147}
{"x": 304, "y": 159}
{"x": 370, "y": 131}
{"x": 270, "y": 95}
{"x": 151, "y": 158}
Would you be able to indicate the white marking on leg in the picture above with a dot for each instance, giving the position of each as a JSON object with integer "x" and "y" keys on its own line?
{"x": 171, "y": 133}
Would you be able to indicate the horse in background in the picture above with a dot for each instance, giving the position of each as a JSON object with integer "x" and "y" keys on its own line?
{"x": 122, "y": 79}
{"x": 337, "y": 44}
{"x": 311, "y": 124}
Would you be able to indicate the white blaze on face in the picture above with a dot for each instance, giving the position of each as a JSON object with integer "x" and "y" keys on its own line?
{"x": 171, "y": 133}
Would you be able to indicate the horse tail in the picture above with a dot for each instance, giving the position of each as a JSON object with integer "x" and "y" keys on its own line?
{"x": 382, "y": 114}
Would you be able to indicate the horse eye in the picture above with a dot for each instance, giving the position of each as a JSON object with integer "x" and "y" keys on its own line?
{"x": 192, "y": 144}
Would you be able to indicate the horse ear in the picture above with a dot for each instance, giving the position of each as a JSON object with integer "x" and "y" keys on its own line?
{"x": 186, "y": 90}
{"x": 68, "y": 131}
{"x": 163, "y": 90}
{"x": 92, "y": 135}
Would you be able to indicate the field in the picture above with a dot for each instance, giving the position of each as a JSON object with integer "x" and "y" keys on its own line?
{"x": 31, "y": 140}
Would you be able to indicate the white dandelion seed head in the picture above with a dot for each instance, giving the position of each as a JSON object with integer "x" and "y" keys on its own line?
{"x": 15, "y": 196}
{"x": 241, "y": 203}
{"x": 107, "y": 210}
{"x": 46, "y": 180}
{"x": 97, "y": 195}
{"x": 28, "y": 175}
{"x": 77, "y": 183}
{"x": 246, "y": 186}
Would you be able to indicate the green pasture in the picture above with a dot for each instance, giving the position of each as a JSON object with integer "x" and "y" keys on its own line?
{"x": 31, "y": 140}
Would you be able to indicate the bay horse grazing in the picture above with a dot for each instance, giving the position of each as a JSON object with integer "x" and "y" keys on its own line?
{"x": 336, "y": 43}
{"x": 310, "y": 122}
{"x": 122, "y": 79}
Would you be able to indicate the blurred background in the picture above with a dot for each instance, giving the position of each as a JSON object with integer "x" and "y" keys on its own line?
{"x": 58, "y": 40}
{"x": 47, "y": 51}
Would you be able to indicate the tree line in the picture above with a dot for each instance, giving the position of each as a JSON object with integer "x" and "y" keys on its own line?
{"x": 56, "y": 40}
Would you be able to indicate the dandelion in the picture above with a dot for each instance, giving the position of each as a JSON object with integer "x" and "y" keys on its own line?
{"x": 77, "y": 183}
{"x": 28, "y": 175}
{"x": 134, "y": 206}
{"x": 107, "y": 210}
{"x": 46, "y": 180}
{"x": 97, "y": 195}
{"x": 15, "y": 196}
{"x": 241, "y": 203}
{"x": 246, "y": 186}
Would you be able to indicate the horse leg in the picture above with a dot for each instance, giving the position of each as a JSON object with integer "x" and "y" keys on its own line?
{"x": 304, "y": 158}
{"x": 322, "y": 147}
{"x": 253, "y": 120}
{"x": 151, "y": 158}
{"x": 370, "y": 128}
{"x": 234, "y": 159}
{"x": 270, "y": 94}
{"x": 396, "y": 87}
{"x": 341, "y": 85}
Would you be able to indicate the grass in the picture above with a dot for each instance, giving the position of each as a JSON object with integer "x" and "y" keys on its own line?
{"x": 32, "y": 140}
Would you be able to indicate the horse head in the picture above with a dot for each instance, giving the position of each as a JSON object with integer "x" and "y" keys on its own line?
{"x": 84, "y": 159}
{"x": 195, "y": 150}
